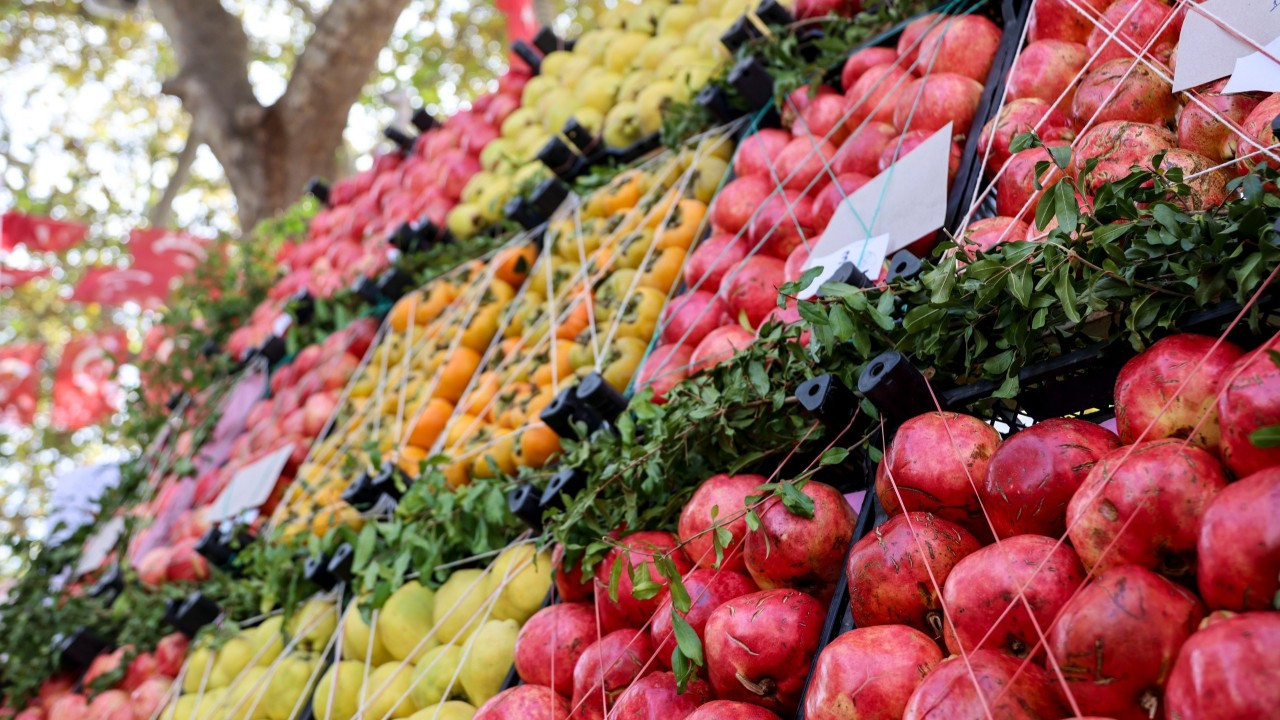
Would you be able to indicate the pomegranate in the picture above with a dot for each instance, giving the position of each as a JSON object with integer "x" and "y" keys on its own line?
{"x": 720, "y": 345}
{"x": 1005, "y": 687}
{"x": 1199, "y": 128}
{"x": 1226, "y": 669}
{"x": 1033, "y": 475}
{"x": 111, "y": 705}
{"x": 720, "y": 501}
{"x": 645, "y": 547}
{"x": 1141, "y": 505}
{"x": 551, "y": 642}
{"x": 1143, "y": 26}
{"x": 1118, "y": 146}
{"x": 1171, "y": 388}
{"x": 572, "y": 585}
{"x": 1061, "y": 20}
{"x": 802, "y": 161}
{"x": 759, "y": 647}
{"x": 708, "y": 589}
{"x": 105, "y": 663}
{"x": 737, "y": 202}
{"x": 756, "y": 153}
{"x": 730, "y": 710}
{"x": 778, "y": 228}
{"x": 654, "y": 697}
{"x": 935, "y": 464}
{"x": 185, "y": 564}
{"x": 1015, "y": 118}
{"x": 964, "y": 44}
{"x": 825, "y": 204}
{"x": 690, "y": 316}
{"x": 71, "y": 706}
{"x": 1257, "y": 128}
{"x": 985, "y": 234}
{"x": 1117, "y": 639}
{"x": 1250, "y": 400}
{"x": 140, "y": 669}
{"x": 54, "y": 688}
{"x": 1125, "y": 91}
{"x": 860, "y": 154}
{"x": 666, "y": 366}
{"x": 909, "y": 41}
{"x": 1016, "y": 194}
{"x": 525, "y": 702}
{"x": 612, "y": 663}
{"x": 875, "y": 94}
{"x": 151, "y": 567}
{"x": 869, "y": 673}
{"x": 753, "y": 289}
{"x": 794, "y": 551}
{"x": 1237, "y": 551}
{"x": 1208, "y": 186}
{"x": 148, "y": 697}
{"x": 1047, "y": 69}
{"x": 823, "y": 119}
{"x": 936, "y": 99}
{"x": 861, "y": 60}
{"x": 902, "y": 146}
{"x": 982, "y": 597}
{"x": 798, "y": 102}
{"x": 713, "y": 258}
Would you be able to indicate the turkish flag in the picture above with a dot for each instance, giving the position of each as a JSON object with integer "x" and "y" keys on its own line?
{"x": 39, "y": 234}
{"x": 14, "y": 278}
{"x": 114, "y": 286}
{"x": 155, "y": 249}
{"x": 84, "y": 389}
{"x": 19, "y": 381}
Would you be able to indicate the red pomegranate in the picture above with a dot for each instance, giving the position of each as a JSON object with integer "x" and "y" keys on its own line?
{"x": 643, "y": 548}
{"x": 753, "y": 289}
{"x": 964, "y": 44}
{"x": 665, "y": 367}
{"x": 719, "y": 501}
{"x": 689, "y": 317}
{"x": 1118, "y": 146}
{"x": 1047, "y": 69}
{"x": 737, "y": 202}
{"x": 860, "y": 154}
{"x": 1116, "y": 640}
{"x": 936, "y": 99}
{"x": 1238, "y": 552}
{"x": 825, "y": 204}
{"x": 1018, "y": 117}
{"x": 612, "y": 663}
{"x": 756, "y": 153}
{"x": 720, "y": 345}
{"x": 1141, "y": 505}
{"x": 551, "y": 642}
{"x": 1226, "y": 670}
{"x": 1199, "y": 128}
{"x": 935, "y": 464}
{"x": 712, "y": 260}
{"x": 875, "y": 94}
{"x": 572, "y": 585}
{"x": 823, "y": 119}
{"x": 988, "y": 233}
{"x": 525, "y": 702}
{"x": 794, "y": 551}
{"x": 983, "y": 603}
{"x": 1016, "y": 193}
{"x": 1006, "y": 687}
{"x": 860, "y": 61}
{"x": 759, "y": 647}
{"x": 655, "y": 697}
{"x": 111, "y": 705}
{"x": 1033, "y": 475}
{"x": 730, "y": 710}
{"x": 910, "y": 40}
{"x": 869, "y": 672}
{"x": 708, "y": 589}
{"x": 1123, "y": 91}
{"x": 1142, "y": 26}
{"x": 779, "y": 227}
{"x": 1250, "y": 400}
{"x": 1208, "y": 186}
{"x": 1171, "y": 390}
{"x": 1257, "y": 128}
{"x": 1060, "y": 19}
{"x": 149, "y": 697}
{"x": 798, "y": 101}
{"x": 802, "y": 161}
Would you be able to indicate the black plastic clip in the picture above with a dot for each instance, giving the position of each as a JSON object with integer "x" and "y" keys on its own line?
{"x": 567, "y": 482}
{"x": 539, "y": 206}
{"x": 1275, "y": 126}
{"x": 771, "y": 12}
{"x": 561, "y": 159}
{"x": 400, "y": 138}
{"x": 318, "y": 189}
{"x": 367, "y": 289}
{"x": 423, "y": 120}
{"x": 360, "y": 494}
{"x": 390, "y": 482}
{"x": 752, "y": 80}
{"x": 829, "y": 400}
{"x": 175, "y": 400}
{"x": 393, "y": 283}
{"x": 547, "y": 41}
{"x": 849, "y": 274}
{"x": 341, "y": 563}
{"x": 637, "y": 149}
{"x": 316, "y": 569}
{"x": 528, "y": 54}
{"x": 210, "y": 348}
{"x": 715, "y": 100}
{"x": 187, "y": 616}
{"x": 564, "y": 410}
{"x": 904, "y": 266}
{"x": 77, "y": 650}
{"x": 897, "y": 389}
{"x": 302, "y": 307}
{"x": 272, "y": 349}
{"x": 598, "y": 396}
{"x": 739, "y": 33}
{"x": 213, "y": 546}
{"x": 109, "y": 585}
{"x": 524, "y": 503}
{"x": 581, "y": 137}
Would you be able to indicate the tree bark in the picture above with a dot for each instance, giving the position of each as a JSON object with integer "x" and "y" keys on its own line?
{"x": 269, "y": 153}
{"x": 159, "y": 215}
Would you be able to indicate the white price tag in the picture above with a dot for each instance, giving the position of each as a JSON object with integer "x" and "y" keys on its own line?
{"x": 250, "y": 486}
{"x": 99, "y": 545}
{"x": 867, "y": 254}
{"x": 1210, "y": 42}
{"x": 281, "y": 325}
{"x": 1257, "y": 72}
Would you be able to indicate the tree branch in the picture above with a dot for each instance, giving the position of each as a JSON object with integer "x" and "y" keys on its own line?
{"x": 159, "y": 214}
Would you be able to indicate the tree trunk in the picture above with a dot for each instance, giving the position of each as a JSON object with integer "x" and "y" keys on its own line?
{"x": 269, "y": 153}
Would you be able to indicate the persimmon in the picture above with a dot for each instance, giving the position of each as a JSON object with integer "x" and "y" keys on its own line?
{"x": 682, "y": 226}
{"x": 512, "y": 264}
{"x": 479, "y": 401}
{"x": 430, "y": 423}
{"x": 554, "y": 366}
{"x": 482, "y": 328}
{"x": 456, "y": 373}
{"x": 538, "y": 443}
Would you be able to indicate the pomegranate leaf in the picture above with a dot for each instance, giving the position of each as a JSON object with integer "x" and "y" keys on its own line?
{"x": 686, "y": 638}
{"x": 1266, "y": 437}
{"x": 615, "y": 575}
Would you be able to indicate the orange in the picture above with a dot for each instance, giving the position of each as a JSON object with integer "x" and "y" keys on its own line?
{"x": 456, "y": 373}
{"x": 512, "y": 265}
{"x": 538, "y": 443}
{"x": 430, "y": 422}
{"x": 458, "y": 473}
{"x": 484, "y": 325}
{"x": 555, "y": 365}
{"x": 438, "y": 298}
{"x": 501, "y": 452}
{"x": 403, "y": 311}
{"x": 410, "y": 460}
{"x": 538, "y": 404}
{"x": 576, "y": 320}
{"x": 479, "y": 401}
{"x": 508, "y": 407}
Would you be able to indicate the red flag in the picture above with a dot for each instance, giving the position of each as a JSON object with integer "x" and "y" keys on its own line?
{"x": 114, "y": 286}
{"x": 39, "y": 234}
{"x": 157, "y": 248}
{"x": 521, "y": 22}
{"x": 84, "y": 390}
{"x": 19, "y": 381}
{"x": 14, "y": 278}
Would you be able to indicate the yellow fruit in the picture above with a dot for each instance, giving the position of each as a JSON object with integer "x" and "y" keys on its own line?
{"x": 734, "y": 8}
{"x": 267, "y": 640}
{"x": 289, "y": 682}
{"x": 493, "y": 154}
{"x": 233, "y": 657}
{"x": 313, "y": 625}
{"x": 433, "y": 676}
{"x": 589, "y": 118}
{"x": 196, "y": 668}
{"x": 472, "y": 190}
{"x": 341, "y": 685}
{"x": 458, "y": 601}
{"x": 492, "y": 651}
{"x": 643, "y": 18}
{"x": 677, "y": 59}
{"x": 464, "y": 221}
{"x": 388, "y": 692}
{"x": 571, "y": 71}
{"x": 676, "y": 19}
{"x": 622, "y": 126}
{"x": 533, "y": 91}
{"x": 355, "y": 639}
{"x": 552, "y": 62}
{"x": 404, "y": 625}
{"x": 245, "y": 695}
{"x": 555, "y": 108}
{"x": 452, "y": 710}
{"x": 655, "y": 51}
{"x": 520, "y": 577}
{"x": 624, "y": 50}
{"x": 689, "y": 80}
{"x": 653, "y": 102}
